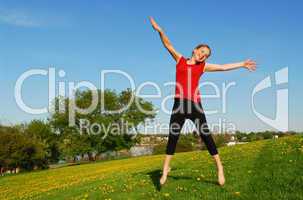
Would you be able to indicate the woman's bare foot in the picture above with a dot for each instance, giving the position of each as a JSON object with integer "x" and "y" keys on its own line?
{"x": 221, "y": 178}
{"x": 164, "y": 176}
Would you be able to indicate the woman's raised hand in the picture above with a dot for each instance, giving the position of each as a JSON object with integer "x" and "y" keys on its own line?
{"x": 250, "y": 65}
{"x": 154, "y": 24}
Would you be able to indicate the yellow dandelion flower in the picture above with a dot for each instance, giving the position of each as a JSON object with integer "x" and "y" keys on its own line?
{"x": 166, "y": 194}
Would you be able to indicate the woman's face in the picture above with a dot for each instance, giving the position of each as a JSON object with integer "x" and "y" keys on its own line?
{"x": 201, "y": 54}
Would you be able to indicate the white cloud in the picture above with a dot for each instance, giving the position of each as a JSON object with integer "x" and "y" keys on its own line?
{"x": 18, "y": 18}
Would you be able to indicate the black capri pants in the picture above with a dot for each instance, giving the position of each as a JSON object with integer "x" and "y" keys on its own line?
{"x": 187, "y": 109}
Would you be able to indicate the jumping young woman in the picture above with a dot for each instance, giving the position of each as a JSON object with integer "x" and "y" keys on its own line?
{"x": 187, "y": 102}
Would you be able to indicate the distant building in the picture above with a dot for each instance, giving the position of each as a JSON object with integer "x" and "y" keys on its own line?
{"x": 231, "y": 143}
{"x": 234, "y": 142}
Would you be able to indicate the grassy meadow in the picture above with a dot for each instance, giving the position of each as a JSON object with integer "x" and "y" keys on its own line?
{"x": 267, "y": 169}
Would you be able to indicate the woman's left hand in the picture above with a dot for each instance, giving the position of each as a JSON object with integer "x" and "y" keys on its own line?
{"x": 250, "y": 65}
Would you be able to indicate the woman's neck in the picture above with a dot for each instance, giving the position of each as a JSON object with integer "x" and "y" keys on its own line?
{"x": 191, "y": 61}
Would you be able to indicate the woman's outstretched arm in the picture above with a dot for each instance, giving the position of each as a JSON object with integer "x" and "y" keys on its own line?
{"x": 248, "y": 64}
{"x": 165, "y": 40}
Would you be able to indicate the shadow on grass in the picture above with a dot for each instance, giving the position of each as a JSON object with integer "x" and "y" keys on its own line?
{"x": 155, "y": 176}
{"x": 210, "y": 182}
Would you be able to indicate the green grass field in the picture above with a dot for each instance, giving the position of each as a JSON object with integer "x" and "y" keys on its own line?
{"x": 268, "y": 169}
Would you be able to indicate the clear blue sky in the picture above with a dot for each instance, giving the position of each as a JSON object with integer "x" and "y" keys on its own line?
{"x": 84, "y": 37}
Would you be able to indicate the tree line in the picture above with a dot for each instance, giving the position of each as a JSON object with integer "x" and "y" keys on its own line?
{"x": 37, "y": 144}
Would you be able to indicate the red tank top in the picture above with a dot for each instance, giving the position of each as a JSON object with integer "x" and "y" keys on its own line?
{"x": 187, "y": 80}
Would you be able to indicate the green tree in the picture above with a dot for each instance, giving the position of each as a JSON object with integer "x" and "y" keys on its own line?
{"x": 17, "y": 150}
{"x": 42, "y": 131}
{"x": 109, "y": 138}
